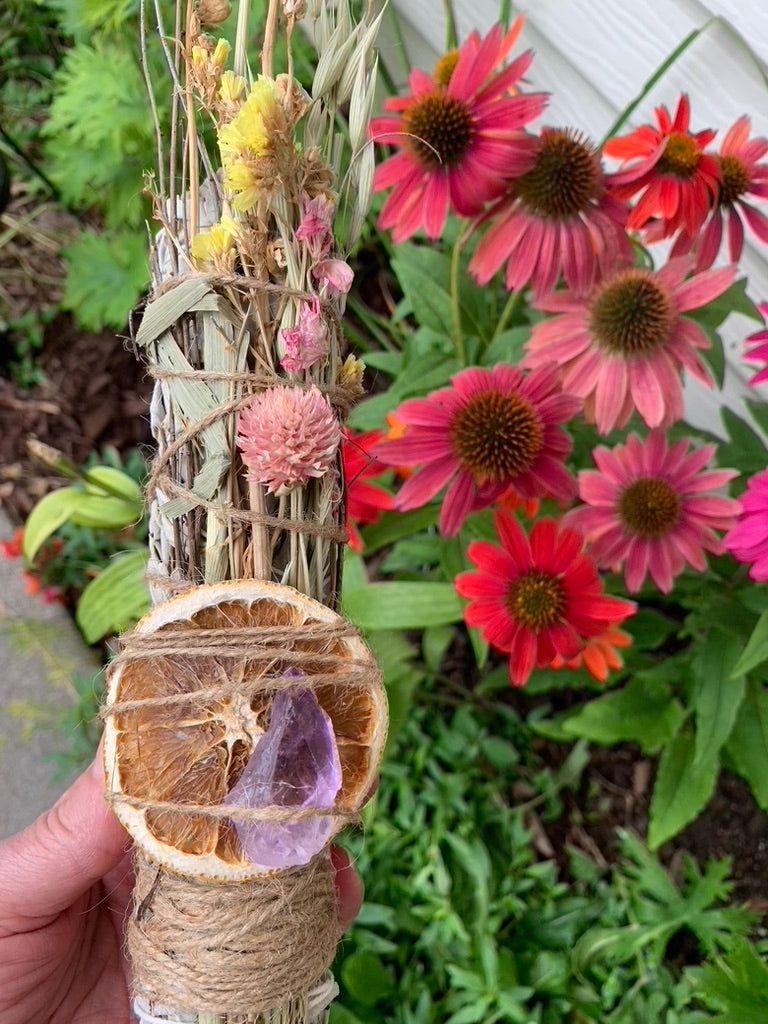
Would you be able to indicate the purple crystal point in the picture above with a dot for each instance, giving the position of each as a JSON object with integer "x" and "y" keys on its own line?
{"x": 294, "y": 764}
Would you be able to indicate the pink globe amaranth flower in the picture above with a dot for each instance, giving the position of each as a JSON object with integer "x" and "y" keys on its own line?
{"x": 557, "y": 218}
{"x": 625, "y": 345}
{"x": 490, "y": 429}
{"x": 287, "y": 435}
{"x": 759, "y": 348}
{"x": 459, "y": 142}
{"x": 537, "y": 597}
{"x": 675, "y": 180}
{"x": 747, "y": 541}
{"x": 647, "y": 508}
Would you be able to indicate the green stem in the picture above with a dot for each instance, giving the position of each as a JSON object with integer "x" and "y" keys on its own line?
{"x": 394, "y": 26}
{"x": 456, "y": 331}
{"x": 450, "y": 25}
{"x": 510, "y": 308}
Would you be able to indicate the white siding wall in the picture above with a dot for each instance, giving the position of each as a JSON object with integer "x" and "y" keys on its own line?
{"x": 594, "y": 57}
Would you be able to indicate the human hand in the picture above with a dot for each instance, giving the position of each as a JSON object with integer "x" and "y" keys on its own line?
{"x": 65, "y": 889}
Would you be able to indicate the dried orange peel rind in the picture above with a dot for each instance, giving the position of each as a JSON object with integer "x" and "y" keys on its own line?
{"x": 179, "y": 730}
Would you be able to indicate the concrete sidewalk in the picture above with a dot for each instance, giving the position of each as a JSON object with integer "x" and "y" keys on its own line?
{"x": 40, "y": 651}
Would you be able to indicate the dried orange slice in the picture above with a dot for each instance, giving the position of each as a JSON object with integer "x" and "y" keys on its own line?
{"x": 189, "y": 698}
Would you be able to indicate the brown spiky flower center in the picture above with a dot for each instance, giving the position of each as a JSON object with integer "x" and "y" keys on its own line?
{"x": 648, "y": 507}
{"x": 496, "y": 436}
{"x": 680, "y": 156}
{"x": 443, "y": 69}
{"x": 535, "y": 599}
{"x": 565, "y": 177}
{"x": 734, "y": 180}
{"x": 631, "y": 314}
{"x": 438, "y": 129}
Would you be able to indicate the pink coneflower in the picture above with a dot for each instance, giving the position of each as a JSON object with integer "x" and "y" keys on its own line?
{"x": 677, "y": 181}
{"x": 747, "y": 541}
{"x": 759, "y": 348}
{"x": 741, "y": 176}
{"x": 490, "y": 429}
{"x": 623, "y": 348}
{"x": 287, "y": 435}
{"x": 598, "y": 655}
{"x": 646, "y": 508}
{"x": 536, "y": 596}
{"x": 556, "y": 218}
{"x": 365, "y": 501}
{"x": 459, "y": 141}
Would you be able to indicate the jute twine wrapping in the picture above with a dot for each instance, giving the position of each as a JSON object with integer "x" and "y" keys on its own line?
{"x": 241, "y": 948}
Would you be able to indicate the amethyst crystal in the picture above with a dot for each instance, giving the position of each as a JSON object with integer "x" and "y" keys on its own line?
{"x": 294, "y": 764}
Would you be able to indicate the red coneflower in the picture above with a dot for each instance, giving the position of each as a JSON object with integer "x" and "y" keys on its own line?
{"x": 365, "y": 501}
{"x": 647, "y": 509}
{"x": 458, "y": 141}
{"x": 536, "y": 597}
{"x": 759, "y": 348}
{"x": 598, "y": 655}
{"x": 490, "y": 429}
{"x": 675, "y": 180}
{"x": 623, "y": 347}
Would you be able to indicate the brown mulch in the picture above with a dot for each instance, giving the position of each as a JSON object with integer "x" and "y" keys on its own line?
{"x": 94, "y": 393}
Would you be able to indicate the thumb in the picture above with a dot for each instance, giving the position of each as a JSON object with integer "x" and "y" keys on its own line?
{"x": 48, "y": 865}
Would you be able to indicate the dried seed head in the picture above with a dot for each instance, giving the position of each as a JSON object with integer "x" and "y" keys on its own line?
{"x": 212, "y": 12}
{"x": 295, "y": 9}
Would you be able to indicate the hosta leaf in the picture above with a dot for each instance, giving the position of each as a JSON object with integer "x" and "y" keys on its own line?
{"x": 115, "y": 599}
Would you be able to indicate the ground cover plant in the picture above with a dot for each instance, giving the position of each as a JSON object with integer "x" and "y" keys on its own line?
{"x": 530, "y": 514}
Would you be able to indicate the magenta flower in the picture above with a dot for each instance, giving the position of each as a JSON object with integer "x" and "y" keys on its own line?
{"x": 646, "y": 509}
{"x": 490, "y": 429}
{"x": 557, "y": 218}
{"x": 759, "y": 350}
{"x": 459, "y": 142}
{"x": 747, "y": 541}
{"x": 307, "y": 341}
{"x": 286, "y": 435}
{"x": 624, "y": 347}
{"x": 538, "y": 596}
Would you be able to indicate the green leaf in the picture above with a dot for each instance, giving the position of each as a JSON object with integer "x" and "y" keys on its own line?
{"x": 679, "y": 791}
{"x": 756, "y": 651}
{"x": 341, "y": 1015}
{"x": 736, "y": 986}
{"x": 115, "y": 599}
{"x": 506, "y": 347}
{"x": 100, "y": 512}
{"x": 747, "y": 745}
{"x": 716, "y": 694}
{"x": 424, "y": 276}
{"x": 640, "y": 712}
{"x": 403, "y": 605}
{"x": 106, "y": 273}
{"x": 46, "y": 517}
{"x": 391, "y": 526}
{"x": 365, "y": 978}
{"x": 115, "y": 482}
{"x": 745, "y": 448}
